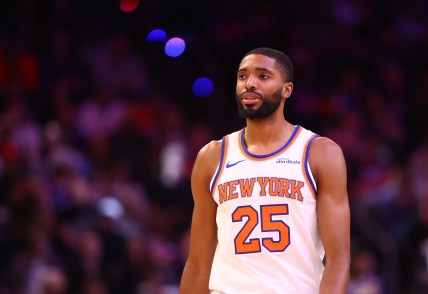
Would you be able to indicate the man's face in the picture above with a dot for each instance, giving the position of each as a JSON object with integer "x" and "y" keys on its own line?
{"x": 259, "y": 87}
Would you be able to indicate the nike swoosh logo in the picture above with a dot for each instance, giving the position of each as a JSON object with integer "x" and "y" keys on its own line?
{"x": 232, "y": 164}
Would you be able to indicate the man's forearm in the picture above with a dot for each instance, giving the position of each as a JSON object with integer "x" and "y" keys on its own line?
{"x": 335, "y": 279}
{"x": 194, "y": 281}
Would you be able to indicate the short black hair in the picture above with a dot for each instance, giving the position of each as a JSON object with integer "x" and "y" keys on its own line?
{"x": 281, "y": 60}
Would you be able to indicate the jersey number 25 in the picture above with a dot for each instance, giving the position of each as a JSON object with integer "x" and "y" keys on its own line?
{"x": 243, "y": 244}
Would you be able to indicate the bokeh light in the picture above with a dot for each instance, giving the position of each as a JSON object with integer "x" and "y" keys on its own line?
{"x": 203, "y": 87}
{"x": 156, "y": 35}
{"x": 175, "y": 47}
{"x": 128, "y": 5}
{"x": 110, "y": 206}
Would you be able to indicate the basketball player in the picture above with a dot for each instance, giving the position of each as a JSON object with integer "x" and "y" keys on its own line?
{"x": 271, "y": 205}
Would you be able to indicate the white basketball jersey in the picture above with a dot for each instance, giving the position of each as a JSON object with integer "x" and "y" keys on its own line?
{"x": 268, "y": 239}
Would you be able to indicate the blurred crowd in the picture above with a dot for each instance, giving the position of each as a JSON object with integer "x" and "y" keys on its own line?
{"x": 99, "y": 131}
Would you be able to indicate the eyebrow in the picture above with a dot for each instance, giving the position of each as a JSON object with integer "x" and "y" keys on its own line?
{"x": 257, "y": 69}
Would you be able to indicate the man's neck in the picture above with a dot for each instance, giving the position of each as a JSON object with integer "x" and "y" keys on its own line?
{"x": 264, "y": 136}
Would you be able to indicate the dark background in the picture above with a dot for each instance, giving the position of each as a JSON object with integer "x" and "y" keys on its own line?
{"x": 92, "y": 115}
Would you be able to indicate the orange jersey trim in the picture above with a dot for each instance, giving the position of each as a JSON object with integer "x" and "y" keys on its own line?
{"x": 223, "y": 154}
{"x": 305, "y": 165}
{"x": 270, "y": 155}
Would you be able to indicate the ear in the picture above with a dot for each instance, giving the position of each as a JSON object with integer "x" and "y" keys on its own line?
{"x": 287, "y": 88}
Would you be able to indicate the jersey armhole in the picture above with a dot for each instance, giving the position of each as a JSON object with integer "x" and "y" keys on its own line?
{"x": 224, "y": 143}
{"x": 306, "y": 167}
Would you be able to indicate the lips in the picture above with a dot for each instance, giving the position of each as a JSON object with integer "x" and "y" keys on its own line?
{"x": 250, "y": 98}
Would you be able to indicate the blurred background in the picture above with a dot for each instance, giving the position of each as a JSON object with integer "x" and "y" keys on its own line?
{"x": 104, "y": 105}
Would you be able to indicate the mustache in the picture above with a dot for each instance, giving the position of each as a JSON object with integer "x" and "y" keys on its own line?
{"x": 251, "y": 92}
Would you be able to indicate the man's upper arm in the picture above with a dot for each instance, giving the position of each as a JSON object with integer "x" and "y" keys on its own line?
{"x": 203, "y": 239}
{"x": 332, "y": 199}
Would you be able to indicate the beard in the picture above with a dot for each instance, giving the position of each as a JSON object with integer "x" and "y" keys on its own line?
{"x": 269, "y": 106}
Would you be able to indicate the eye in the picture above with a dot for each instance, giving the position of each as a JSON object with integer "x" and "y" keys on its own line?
{"x": 241, "y": 76}
{"x": 264, "y": 76}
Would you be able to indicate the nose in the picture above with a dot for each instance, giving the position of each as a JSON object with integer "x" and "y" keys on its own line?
{"x": 250, "y": 83}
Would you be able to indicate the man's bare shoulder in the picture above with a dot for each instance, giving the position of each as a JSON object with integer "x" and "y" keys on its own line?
{"x": 209, "y": 157}
{"x": 325, "y": 154}
{"x": 323, "y": 146}
{"x": 212, "y": 147}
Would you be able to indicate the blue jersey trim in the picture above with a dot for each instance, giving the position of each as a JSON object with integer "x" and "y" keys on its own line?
{"x": 244, "y": 146}
{"x": 307, "y": 164}
{"x": 223, "y": 144}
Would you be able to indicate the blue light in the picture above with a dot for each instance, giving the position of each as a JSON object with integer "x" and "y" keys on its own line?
{"x": 202, "y": 87}
{"x": 175, "y": 47}
{"x": 156, "y": 35}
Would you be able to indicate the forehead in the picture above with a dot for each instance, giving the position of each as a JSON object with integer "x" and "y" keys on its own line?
{"x": 257, "y": 62}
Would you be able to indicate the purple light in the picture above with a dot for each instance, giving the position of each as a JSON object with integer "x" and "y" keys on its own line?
{"x": 175, "y": 47}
